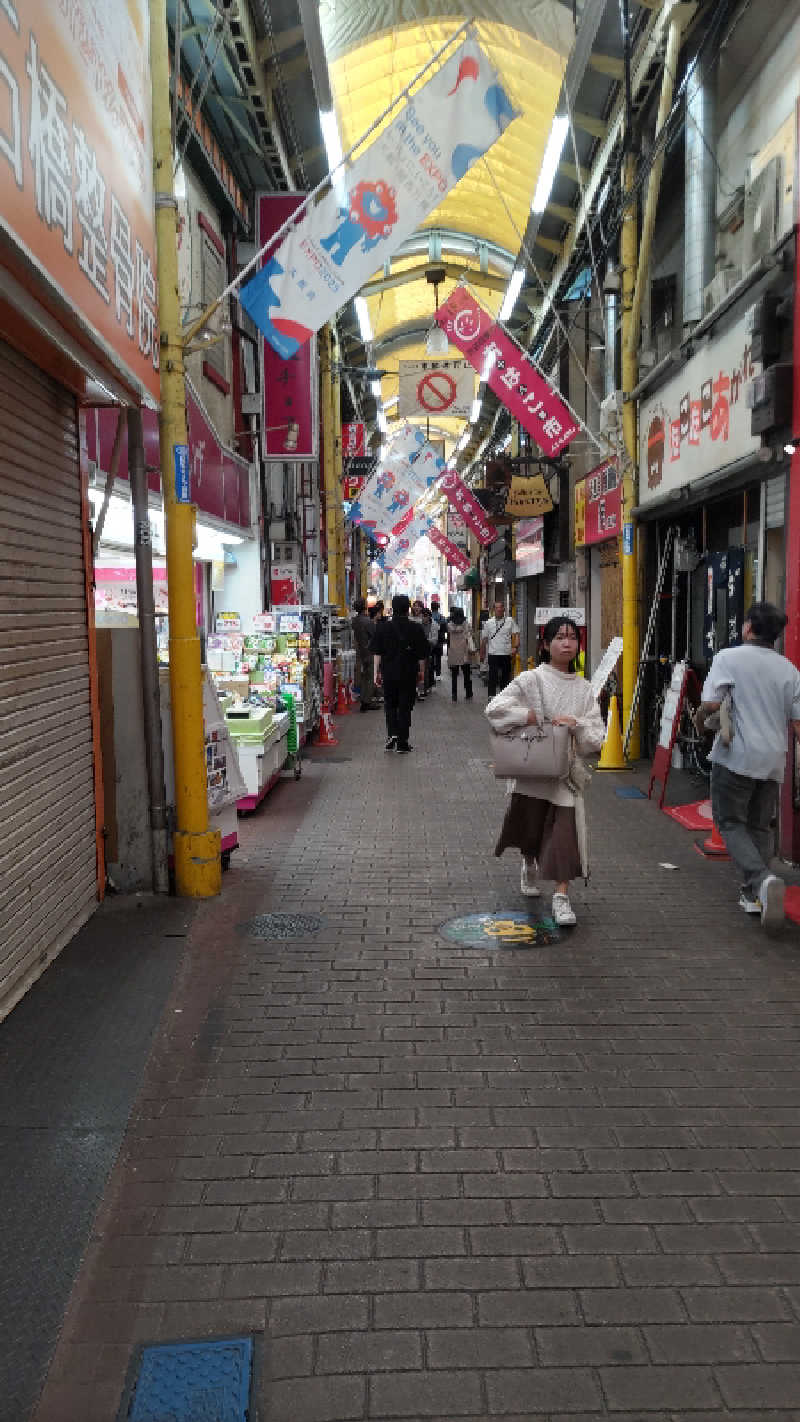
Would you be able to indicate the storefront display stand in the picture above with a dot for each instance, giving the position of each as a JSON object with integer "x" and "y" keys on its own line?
{"x": 249, "y": 803}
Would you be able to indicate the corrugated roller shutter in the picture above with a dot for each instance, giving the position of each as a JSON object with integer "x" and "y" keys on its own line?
{"x": 48, "y": 869}
{"x": 776, "y": 501}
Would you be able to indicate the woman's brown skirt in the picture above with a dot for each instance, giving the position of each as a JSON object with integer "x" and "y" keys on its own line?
{"x": 543, "y": 832}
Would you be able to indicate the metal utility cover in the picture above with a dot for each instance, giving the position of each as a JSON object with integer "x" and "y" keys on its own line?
{"x": 193, "y": 1382}
{"x": 500, "y": 930}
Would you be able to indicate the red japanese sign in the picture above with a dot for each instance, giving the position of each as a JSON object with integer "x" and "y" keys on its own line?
{"x": 453, "y": 554}
{"x": 352, "y": 486}
{"x": 464, "y": 501}
{"x": 352, "y": 440}
{"x": 290, "y": 422}
{"x": 600, "y": 501}
{"x": 508, "y": 372}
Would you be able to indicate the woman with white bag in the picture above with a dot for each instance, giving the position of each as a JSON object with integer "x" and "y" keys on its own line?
{"x": 545, "y": 818}
{"x": 460, "y": 651}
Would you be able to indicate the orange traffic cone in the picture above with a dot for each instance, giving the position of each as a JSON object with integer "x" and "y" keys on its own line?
{"x": 326, "y": 736}
{"x": 713, "y": 847}
{"x": 342, "y": 707}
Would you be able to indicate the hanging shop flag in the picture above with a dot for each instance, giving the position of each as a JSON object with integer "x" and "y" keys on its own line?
{"x": 391, "y": 187}
{"x": 429, "y": 387}
{"x": 527, "y": 498}
{"x": 290, "y": 386}
{"x": 410, "y": 468}
{"x": 353, "y": 440}
{"x": 464, "y": 502}
{"x": 508, "y": 372}
{"x": 453, "y": 554}
{"x": 598, "y": 505}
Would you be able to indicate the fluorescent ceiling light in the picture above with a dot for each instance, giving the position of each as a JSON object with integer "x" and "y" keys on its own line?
{"x": 550, "y": 162}
{"x": 512, "y": 292}
{"x": 382, "y": 453}
{"x": 475, "y": 412}
{"x": 462, "y": 443}
{"x": 382, "y": 423}
{"x": 364, "y": 323}
{"x": 335, "y": 152}
{"x": 375, "y": 387}
{"x": 387, "y": 404}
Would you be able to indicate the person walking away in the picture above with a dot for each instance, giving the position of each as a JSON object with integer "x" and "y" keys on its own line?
{"x": 460, "y": 648}
{"x": 545, "y": 819}
{"x": 417, "y": 615}
{"x": 363, "y": 636}
{"x": 401, "y": 653}
{"x": 757, "y": 693}
{"x": 432, "y": 634}
{"x": 500, "y": 642}
{"x": 441, "y": 624}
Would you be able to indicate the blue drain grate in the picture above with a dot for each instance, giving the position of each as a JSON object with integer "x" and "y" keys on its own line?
{"x": 630, "y": 792}
{"x": 194, "y": 1382}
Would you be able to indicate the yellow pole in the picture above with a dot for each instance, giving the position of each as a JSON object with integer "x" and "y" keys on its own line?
{"x": 630, "y": 376}
{"x": 332, "y": 496}
{"x": 198, "y": 866}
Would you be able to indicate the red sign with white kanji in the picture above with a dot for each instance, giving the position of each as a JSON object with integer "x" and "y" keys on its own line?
{"x": 463, "y": 500}
{"x": 602, "y": 503}
{"x": 508, "y": 372}
{"x": 290, "y": 424}
{"x": 352, "y": 440}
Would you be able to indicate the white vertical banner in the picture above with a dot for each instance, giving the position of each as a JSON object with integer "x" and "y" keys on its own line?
{"x": 403, "y": 175}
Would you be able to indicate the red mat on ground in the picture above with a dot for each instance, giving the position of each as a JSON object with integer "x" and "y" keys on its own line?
{"x": 696, "y": 816}
{"x": 791, "y": 903}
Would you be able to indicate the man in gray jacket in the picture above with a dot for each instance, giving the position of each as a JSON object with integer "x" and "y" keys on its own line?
{"x": 758, "y": 691}
{"x": 363, "y": 636}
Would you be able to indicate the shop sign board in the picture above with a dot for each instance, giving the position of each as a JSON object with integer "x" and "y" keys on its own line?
{"x": 392, "y": 185}
{"x": 284, "y": 585}
{"x": 464, "y": 502}
{"x": 353, "y": 444}
{"x": 530, "y": 547}
{"x": 289, "y": 383}
{"x": 508, "y": 371}
{"x": 76, "y": 165}
{"x": 699, "y": 421}
{"x": 454, "y": 555}
{"x": 598, "y": 505}
{"x": 428, "y": 387}
{"x": 572, "y": 614}
{"x": 457, "y": 530}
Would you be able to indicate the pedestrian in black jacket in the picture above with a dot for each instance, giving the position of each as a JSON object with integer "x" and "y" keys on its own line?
{"x": 400, "y": 649}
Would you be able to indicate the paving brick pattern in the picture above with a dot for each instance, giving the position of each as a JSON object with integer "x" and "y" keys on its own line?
{"x": 558, "y": 1183}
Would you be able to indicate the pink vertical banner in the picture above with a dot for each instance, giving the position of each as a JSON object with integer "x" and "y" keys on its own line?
{"x": 452, "y": 553}
{"x": 290, "y": 394}
{"x": 465, "y": 503}
{"x": 508, "y": 372}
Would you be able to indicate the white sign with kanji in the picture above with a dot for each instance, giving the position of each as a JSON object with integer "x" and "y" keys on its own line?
{"x": 431, "y": 388}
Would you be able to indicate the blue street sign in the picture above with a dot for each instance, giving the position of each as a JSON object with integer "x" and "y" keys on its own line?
{"x": 627, "y": 538}
{"x": 183, "y": 492}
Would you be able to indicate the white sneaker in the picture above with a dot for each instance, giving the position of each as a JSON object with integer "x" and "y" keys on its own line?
{"x": 526, "y": 882}
{"x": 771, "y": 896}
{"x": 749, "y": 905}
{"x": 562, "y": 911}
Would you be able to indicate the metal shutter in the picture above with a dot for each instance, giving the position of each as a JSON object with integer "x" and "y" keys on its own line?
{"x": 48, "y": 866}
{"x": 776, "y": 499}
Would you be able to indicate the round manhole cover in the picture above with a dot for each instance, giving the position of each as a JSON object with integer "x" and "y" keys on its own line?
{"x": 283, "y": 925}
{"x": 500, "y": 930}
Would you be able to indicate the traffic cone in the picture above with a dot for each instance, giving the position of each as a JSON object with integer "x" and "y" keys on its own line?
{"x": 326, "y": 736}
{"x": 713, "y": 847}
{"x": 612, "y": 756}
{"x": 342, "y": 707}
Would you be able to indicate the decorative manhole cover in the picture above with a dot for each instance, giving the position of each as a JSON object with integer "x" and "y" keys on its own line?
{"x": 500, "y": 930}
{"x": 283, "y": 925}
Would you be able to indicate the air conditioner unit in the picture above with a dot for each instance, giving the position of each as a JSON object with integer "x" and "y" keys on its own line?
{"x": 762, "y": 205}
{"x": 719, "y": 287}
{"x": 611, "y": 413}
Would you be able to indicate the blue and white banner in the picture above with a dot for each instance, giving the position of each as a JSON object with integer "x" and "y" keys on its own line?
{"x": 410, "y": 468}
{"x": 391, "y": 187}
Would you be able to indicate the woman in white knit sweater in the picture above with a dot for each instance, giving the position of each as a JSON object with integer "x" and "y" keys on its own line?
{"x": 545, "y": 818}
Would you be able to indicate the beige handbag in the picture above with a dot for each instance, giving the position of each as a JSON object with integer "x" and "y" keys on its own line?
{"x": 541, "y": 752}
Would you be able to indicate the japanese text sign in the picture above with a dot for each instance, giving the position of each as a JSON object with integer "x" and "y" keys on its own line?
{"x": 410, "y": 468}
{"x": 453, "y": 554}
{"x": 76, "y": 165}
{"x": 598, "y": 505}
{"x": 508, "y": 372}
{"x": 464, "y": 502}
{"x": 391, "y": 187}
{"x": 428, "y": 387}
{"x": 290, "y": 387}
{"x": 699, "y": 420}
{"x": 352, "y": 440}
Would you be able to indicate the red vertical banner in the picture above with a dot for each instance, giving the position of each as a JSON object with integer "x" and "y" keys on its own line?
{"x": 290, "y": 387}
{"x": 353, "y": 441}
{"x": 464, "y": 502}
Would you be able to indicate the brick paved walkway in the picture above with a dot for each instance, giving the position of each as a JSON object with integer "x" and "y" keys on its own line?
{"x": 446, "y": 1183}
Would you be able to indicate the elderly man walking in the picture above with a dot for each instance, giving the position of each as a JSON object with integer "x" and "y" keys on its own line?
{"x": 756, "y": 692}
